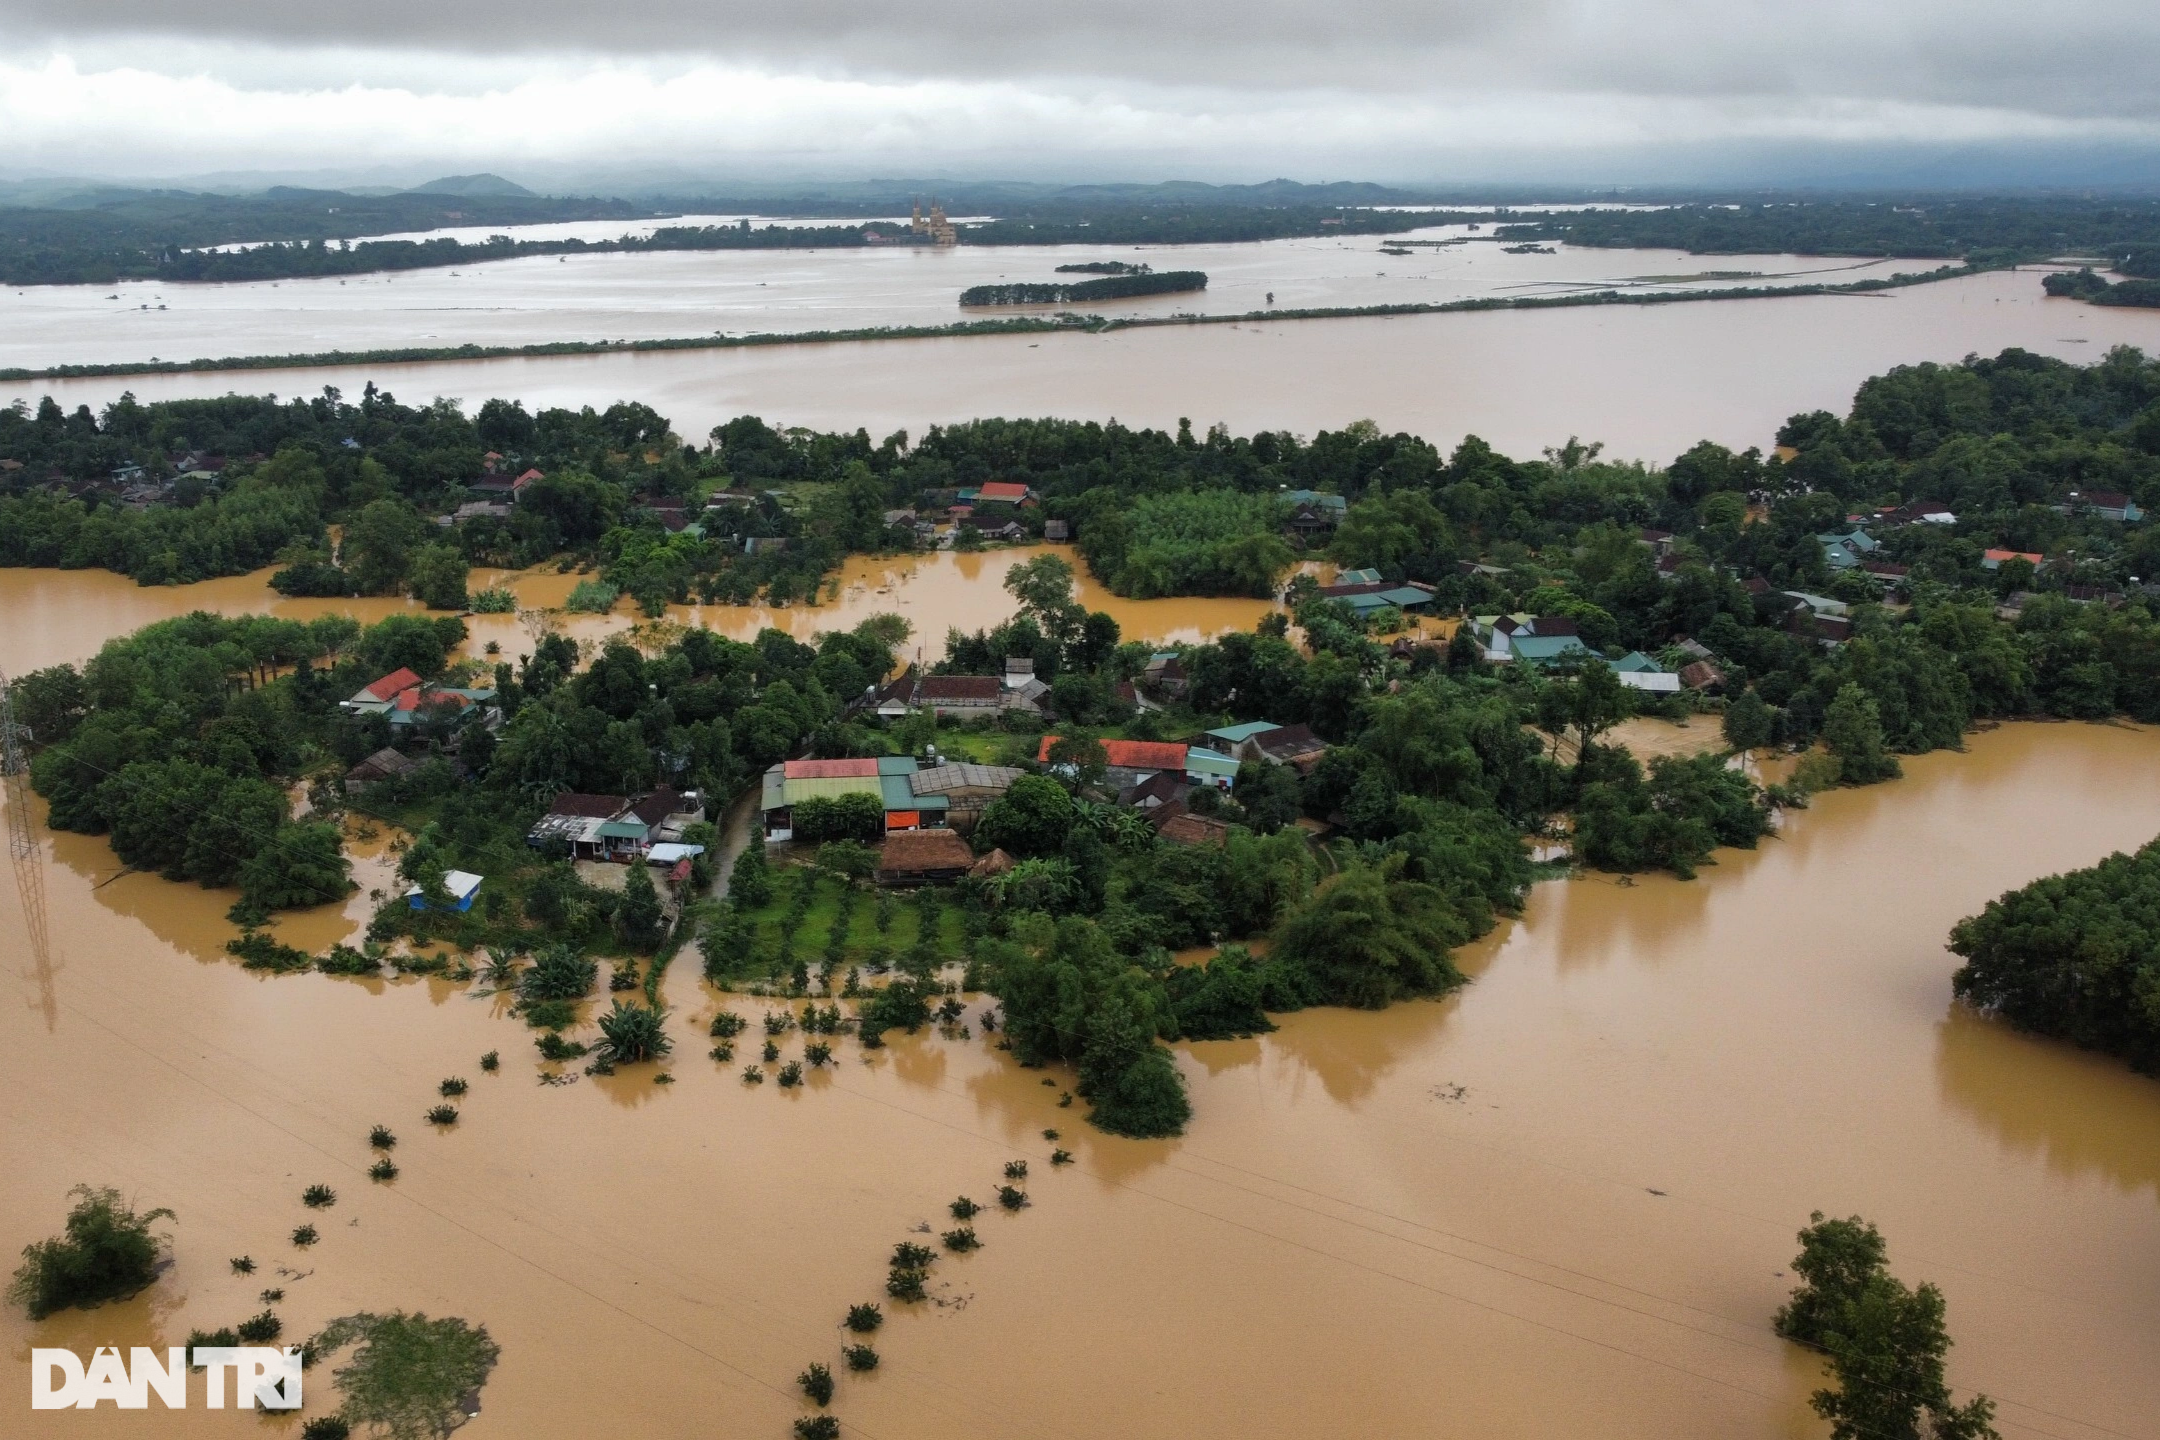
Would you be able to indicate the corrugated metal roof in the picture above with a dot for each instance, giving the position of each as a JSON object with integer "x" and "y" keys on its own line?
{"x": 829, "y": 769}
{"x": 897, "y": 794}
{"x": 962, "y": 775}
{"x": 1237, "y": 734}
{"x": 896, "y": 765}
{"x": 1209, "y": 762}
{"x": 794, "y": 792}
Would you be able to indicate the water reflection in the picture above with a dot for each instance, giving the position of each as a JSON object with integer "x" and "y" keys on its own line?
{"x": 2045, "y": 1099}
{"x": 1351, "y": 1051}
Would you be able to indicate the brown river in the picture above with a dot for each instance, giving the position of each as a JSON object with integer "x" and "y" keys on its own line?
{"x": 1648, "y": 381}
{"x": 1560, "y": 1203}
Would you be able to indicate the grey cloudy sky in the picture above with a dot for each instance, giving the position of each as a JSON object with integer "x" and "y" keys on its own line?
{"x": 1240, "y": 88}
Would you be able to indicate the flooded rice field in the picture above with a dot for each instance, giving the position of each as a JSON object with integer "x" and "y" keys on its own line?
{"x": 1560, "y": 1202}
{"x": 1648, "y": 381}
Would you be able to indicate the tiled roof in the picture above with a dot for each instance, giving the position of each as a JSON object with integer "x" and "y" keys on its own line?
{"x": 388, "y": 687}
{"x": 1002, "y": 490}
{"x": 959, "y": 687}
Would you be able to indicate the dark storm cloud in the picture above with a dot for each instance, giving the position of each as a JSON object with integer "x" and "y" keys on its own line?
{"x": 2072, "y": 58}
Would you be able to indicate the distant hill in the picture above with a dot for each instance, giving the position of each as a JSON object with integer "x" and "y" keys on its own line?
{"x": 483, "y": 184}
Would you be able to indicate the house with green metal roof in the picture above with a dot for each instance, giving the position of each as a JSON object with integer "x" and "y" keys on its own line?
{"x": 887, "y": 777}
{"x": 1547, "y": 651}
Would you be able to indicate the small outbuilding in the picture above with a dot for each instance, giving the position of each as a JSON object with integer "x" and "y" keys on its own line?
{"x": 460, "y": 885}
{"x": 924, "y": 857}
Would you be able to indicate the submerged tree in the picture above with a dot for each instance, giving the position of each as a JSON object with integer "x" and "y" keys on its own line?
{"x": 408, "y": 1375}
{"x": 1886, "y": 1343}
{"x": 107, "y": 1251}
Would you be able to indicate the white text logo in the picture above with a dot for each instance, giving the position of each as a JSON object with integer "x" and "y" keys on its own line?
{"x": 262, "y": 1376}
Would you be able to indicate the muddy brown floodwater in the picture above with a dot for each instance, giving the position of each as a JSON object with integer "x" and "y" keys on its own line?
{"x": 1559, "y": 1203}
{"x": 65, "y": 615}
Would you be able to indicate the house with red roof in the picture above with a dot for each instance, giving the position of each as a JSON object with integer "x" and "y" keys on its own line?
{"x": 378, "y": 698}
{"x": 1005, "y": 492}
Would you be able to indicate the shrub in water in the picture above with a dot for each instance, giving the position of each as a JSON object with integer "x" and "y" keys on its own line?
{"x": 818, "y": 1053}
{"x": 859, "y": 1357}
{"x": 778, "y": 1022}
{"x": 105, "y": 1251}
{"x": 907, "y": 1255}
{"x": 771, "y": 1052}
{"x": 243, "y": 1265}
{"x": 817, "y": 1427}
{"x": 965, "y": 1209}
{"x": 962, "y": 1240}
{"x": 632, "y": 1033}
{"x": 904, "y": 1284}
{"x": 550, "y": 1014}
{"x": 260, "y": 1329}
{"x": 791, "y": 1074}
{"x": 1050, "y": 1134}
{"x": 816, "y": 1382}
{"x": 1016, "y": 1169}
{"x": 726, "y": 1025}
{"x": 554, "y": 1047}
{"x": 442, "y": 1115}
{"x": 318, "y": 1197}
{"x": 383, "y": 1169}
{"x": 452, "y": 1088}
{"x": 326, "y": 1427}
{"x": 753, "y": 1075}
{"x": 1012, "y": 1199}
{"x": 272, "y": 1297}
{"x": 723, "y": 1052}
{"x": 381, "y": 1138}
{"x": 305, "y": 1236}
{"x": 862, "y": 1319}
{"x": 1061, "y": 1157}
{"x": 491, "y": 1062}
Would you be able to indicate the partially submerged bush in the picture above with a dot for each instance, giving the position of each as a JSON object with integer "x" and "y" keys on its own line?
{"x": 409, "y": 1375}
{"x": 817, "y": 1383}
{"x": 962, "y": 1240}
{"x": 752, "y": 1075}
{"x": 862, "y": 1319}
{"x": 791, "y": 1074}
{"x": 326, "y": 1427}
{"x": 1016, "y": 1169}
{"x": 859, "y": 1357}
{"x": 383, "y": 1169}
{"x": 1012, "y": 1199}
{"x": 817, "y": 1053}
{"x": 381, "y": 1138}
{"x": 318, "y": 1197}
{"x": 1061, "y": 1157}
{"x": 554, "y": 1047}
{"x": 723, "y": 1052}
{"x": 631, "y": 1033}
{"x": 442, "y": 1115}
{"x": 305, "y": 1236}
{"x": 908, "y": 1254}
{"x": 965, "y": 1209}
{"x": 243, "y": 1265}
{"x": 106, "y": 1251}
{"x": 491, "y": 1062}
{"x": 817, "y": 1427}
{"x": 260, "y": 1329}
{"x": 726, "y": 1025}
{"x": 453, "y": 1087}
{"x": 906, "y": 1283}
